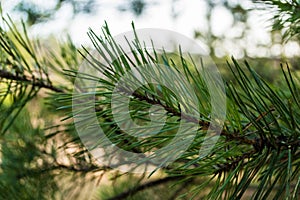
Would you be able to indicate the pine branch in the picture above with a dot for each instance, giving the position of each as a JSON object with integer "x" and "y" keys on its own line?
{"x": 144, "y": 186}
{"x": 260, "y": 135}
{"x": 204, "y": 125}
{"x": 233, "y": 163}
{"x": 169, "y": 109}
{"x": 33, "y": 81}
{"x": 61, "y": 167}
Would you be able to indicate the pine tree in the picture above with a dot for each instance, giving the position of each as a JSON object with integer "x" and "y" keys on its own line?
{"x": 257, "y": 151}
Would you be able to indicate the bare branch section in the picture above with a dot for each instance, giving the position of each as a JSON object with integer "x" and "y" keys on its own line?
{"x": 150, "y": 184}
{"x": 33, "y": 81}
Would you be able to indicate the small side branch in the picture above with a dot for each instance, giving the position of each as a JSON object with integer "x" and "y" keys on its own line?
{"x": 229, "y": 166}
{"x": 134, "y": 190}
{"x": 34, "y": 82}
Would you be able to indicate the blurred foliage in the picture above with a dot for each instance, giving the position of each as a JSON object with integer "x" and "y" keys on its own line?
{"x": 286, "y": 18}
{"x": 37, "y": 14}
{"x": 240, "y": 13}
{"x": 23, "y": 167}
{"x": 218, "y": 44}
{"x": 137, "y": 7}
{"x": 37, "y": 150}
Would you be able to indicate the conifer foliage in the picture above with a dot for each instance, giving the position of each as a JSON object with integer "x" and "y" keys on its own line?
{"x": 257, "y": 151}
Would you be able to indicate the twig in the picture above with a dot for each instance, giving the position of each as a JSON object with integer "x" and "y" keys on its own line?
{"x": 258, "y": 118}
{"x": 180, "y": 189}
{"x": 34, "y": 82}
{"x": 134, "y": 190}
{"x": 88, "y": 169}
{"x": 234, "y": 163}
{"x": 204, "y": 125}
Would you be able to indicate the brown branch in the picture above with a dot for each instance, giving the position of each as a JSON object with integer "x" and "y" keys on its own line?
{"x": 138, "y": 188}
{"x": 36, "y": 172}
{"x": 169, "y": 109}
{"x": 236, "y": 136}
{"x": 257, "y": 143}
{"x": 258, "y": 118}
{"x": 33, "y": 81}
{"x": 228, "y": 166}
{"x": 204, "y": 124}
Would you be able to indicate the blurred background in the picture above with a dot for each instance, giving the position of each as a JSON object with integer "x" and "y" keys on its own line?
{"x": 227, "y": 27}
